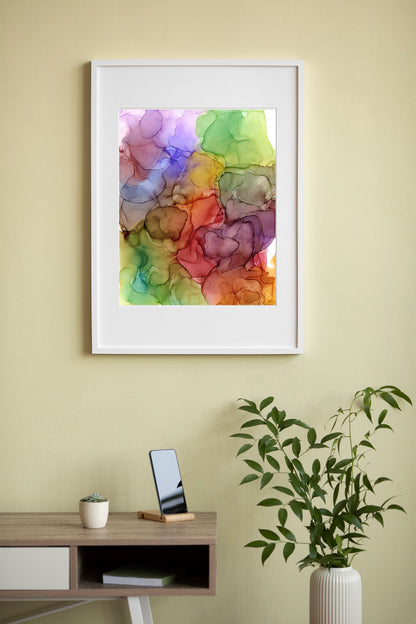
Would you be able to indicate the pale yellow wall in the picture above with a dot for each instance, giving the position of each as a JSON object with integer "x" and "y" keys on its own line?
{"x": 72, "y": 422}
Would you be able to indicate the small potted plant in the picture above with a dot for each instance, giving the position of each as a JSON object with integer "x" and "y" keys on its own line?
{"x": 93, "y": 510}
{"x": 323, "y": 483}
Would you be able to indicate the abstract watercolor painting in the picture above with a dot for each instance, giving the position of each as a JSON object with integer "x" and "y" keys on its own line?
{"x": 197, "y": 207}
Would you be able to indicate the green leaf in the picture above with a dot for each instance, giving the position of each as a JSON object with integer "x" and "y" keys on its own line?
{"x": 379, "y": 518}
{"x": 311, "y": 435}
{"x": 399, "y": 393}
{"x": 252, "y": 403}
{"x": 317, "y": 516}
{"x": 353, "y": 503}
{"x": 368, "y": 509}
{"x": 316, "y": 533}
{"x": 297, "y": 508}
{"x": 262, "y": 448}
{"x": 355, "y": 536}
{"x": 313, "y": 553}
{"x": 270, "y": 535}
{"x": 289, "y": 422}
{"x": 336, "y": 493}
{"x": 288, "y": 550}
{"x": 381, "y": 480}
{"x": 389, "y": 399}
{"x": 367, "y": 444}
{"x": 318, "y": 492}
{"x": 338, "y": 540}
{"x": 247, "y": 436}
{"x": 398, "y": 507}
{"x": 348, "y": 476}
{"x": 296, "y": 447}
{"x": 243, "y": 449}
{"x": 252, "y": 423}
{"x": 282, "y": 516}
{"x": 367, "y": 483}
{"x": 267, "y": 551}
{"x": 384, "y": 427}
{"x": 367, "y": 412}
{"x": 328, "y": 538}
{"x": 297, "y": 464}
{"x": 249, "y": 478}
{"x": 288, "y": 463}
{"x": 286, "y": 533}
{"x": 271, "y": 428}
{"x": 343, "y": 463}
{"x": 382, "y": 416}
{"x": 266, "y": 478}
{"x": 266, "y": 402}
{"x": 314, "y": 480}
{"x": 316, "y": 466}
{"x": 339, "y": 507}
{"x": 331, "y": 436}
{"x": 282, "y": 489}
{"x": 331, "y": 461}
{"x": 253, "y": 465}
{"x": 270, "y": 444}
{"x": 273, "y": 414}
{"x": 351, "y": 519}
{"x": 273, "y": 462}
{"x": 256, "y": 544}
{"x": 252, "y": 409}
{"x": 281, "y": 415}
{"x": 339, "y": 523}
{"x": 367, "y": 400}
{"x": 270, "y": 502}
{"x": 296, "y": 484}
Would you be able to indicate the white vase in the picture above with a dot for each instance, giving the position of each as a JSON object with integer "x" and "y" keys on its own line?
{"x": 94, "y": 515}
{"x": 335, "y": 596}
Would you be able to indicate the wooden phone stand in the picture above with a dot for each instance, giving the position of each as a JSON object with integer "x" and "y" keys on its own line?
{"x": 156, "y": 516}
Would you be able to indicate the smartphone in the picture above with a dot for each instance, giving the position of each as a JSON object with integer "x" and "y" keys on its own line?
{"x": 168, "y": 481}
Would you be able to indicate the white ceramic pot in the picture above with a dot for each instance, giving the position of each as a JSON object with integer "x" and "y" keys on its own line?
{"x": 94, "y": 515}
{"x": 335, "y": 596}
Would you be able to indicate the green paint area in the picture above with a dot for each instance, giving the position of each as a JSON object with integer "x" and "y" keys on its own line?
{"x": 238, "y": 136}
{"x": 150, "y": 275}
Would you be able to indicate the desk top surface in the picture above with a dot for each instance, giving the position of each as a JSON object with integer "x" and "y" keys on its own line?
{"x": 123, "y": 528}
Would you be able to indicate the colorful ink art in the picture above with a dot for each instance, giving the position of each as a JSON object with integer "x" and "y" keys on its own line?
{"x": 197, "y": 207}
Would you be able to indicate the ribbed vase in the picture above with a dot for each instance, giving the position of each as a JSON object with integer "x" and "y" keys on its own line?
{"x": 335, "y": 596}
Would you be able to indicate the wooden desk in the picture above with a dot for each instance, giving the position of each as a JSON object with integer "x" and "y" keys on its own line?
{"x": 50, "y": 556}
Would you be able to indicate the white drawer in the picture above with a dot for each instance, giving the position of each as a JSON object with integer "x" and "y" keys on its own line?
{"x": 34, "y": 568}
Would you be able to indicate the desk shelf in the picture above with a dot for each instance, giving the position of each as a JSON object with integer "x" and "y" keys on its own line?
{"x": 191, "y": 563}
{"x": 188, "y": 547}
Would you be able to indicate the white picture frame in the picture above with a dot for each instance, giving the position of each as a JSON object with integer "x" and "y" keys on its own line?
{"x": 178, "y": 329}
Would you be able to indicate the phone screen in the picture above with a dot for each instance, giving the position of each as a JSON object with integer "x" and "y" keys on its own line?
{"x": 168, "y": 481}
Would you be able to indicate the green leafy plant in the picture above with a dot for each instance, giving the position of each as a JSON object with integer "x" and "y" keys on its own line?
{"x": 94, "y": 498}
{"x": 320, "y": 482}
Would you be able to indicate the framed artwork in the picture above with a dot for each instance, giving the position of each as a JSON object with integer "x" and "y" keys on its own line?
{"x": 197, "y": 207}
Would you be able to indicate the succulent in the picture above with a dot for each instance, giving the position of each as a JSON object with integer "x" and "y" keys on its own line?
{"x": 94, "y": 498}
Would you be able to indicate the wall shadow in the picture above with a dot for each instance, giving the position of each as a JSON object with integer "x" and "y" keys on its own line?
{"x": 85, "y": 207}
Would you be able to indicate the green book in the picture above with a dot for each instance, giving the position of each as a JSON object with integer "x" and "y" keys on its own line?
{"x": 136, "y": 574}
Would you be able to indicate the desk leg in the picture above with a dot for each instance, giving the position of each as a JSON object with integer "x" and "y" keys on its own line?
{"x": 140, "y": 612}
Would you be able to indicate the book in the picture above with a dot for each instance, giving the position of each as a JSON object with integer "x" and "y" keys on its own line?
{"x": 134, "y": 574}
